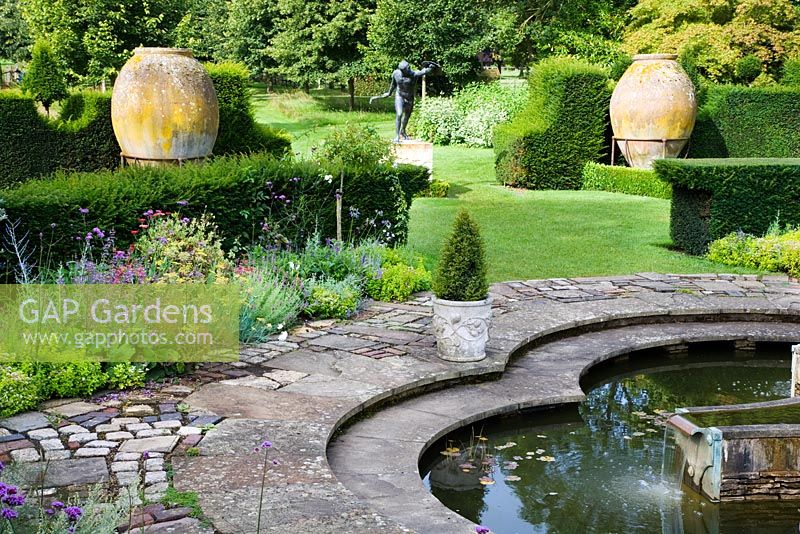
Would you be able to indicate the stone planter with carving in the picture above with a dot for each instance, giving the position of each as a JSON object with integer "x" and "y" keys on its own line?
{"x": 462, "y": 329}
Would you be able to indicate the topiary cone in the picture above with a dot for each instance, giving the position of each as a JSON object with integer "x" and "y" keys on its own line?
{"x": 461, "y": 273}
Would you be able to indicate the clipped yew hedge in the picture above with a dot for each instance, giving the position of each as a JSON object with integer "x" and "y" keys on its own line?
{"x": 241, "y": 193}
{"x": 714, "y": 197}
{"x": 83, "y": 138}
{"x": 562, "y": 127}
{"x": 748, "y": 122}
{"x": 32, "y": 146}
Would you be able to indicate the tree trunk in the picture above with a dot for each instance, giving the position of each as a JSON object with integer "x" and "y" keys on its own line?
{"x": 351, "y": 90}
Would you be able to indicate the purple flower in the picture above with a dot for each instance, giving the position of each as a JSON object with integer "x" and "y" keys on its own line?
{"x": 52, "y": 225}
{"x": 185, "y": 220}
{"x": 480, "y": 529}
{"x": 8, "y": 513}
{"x": 50, "y": 511}
{"x": 73, "y": 512}
{"x": 274, "y": 462}
{"x": 83, "y": 211}
{"x": 266, "y": 444}
{"x": 163, "y": 240}
{"x": 146, "y": 455}
{"x": 354, "y": 213}
{"x": 57, "y": 505}
{"x": 182, "y": 203}
{"x": 14, "y": 500}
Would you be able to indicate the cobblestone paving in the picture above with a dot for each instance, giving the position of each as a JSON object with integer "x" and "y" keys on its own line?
{"x": 297, "y": 390}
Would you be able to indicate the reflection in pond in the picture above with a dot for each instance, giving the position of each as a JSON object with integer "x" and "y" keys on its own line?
{"x": 596, "y": 467}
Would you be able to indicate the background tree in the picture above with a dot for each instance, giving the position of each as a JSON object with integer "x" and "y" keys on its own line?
{"x": 720, "y": 32}
{"x": 204, "y": 28}
{"x": 450, "y": 32}
{"x": 528, "y": 30}
{"x": 250, "y": 26}
{"x": 320, "y": 40}
{"x": 44, "y": 80}
{"x": 95, "y": 37}
{"x": 14, "y": 39}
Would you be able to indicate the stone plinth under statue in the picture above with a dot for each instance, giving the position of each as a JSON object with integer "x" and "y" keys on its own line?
{"x": 414, "y": 152}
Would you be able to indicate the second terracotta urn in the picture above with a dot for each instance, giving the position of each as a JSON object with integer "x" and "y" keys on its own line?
{"x": 653, "y": 109}
{"x": 164, "y": 107}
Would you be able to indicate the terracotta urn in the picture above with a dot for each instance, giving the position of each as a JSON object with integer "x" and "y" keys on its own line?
{"x": 164, "y": 107}
{"x": 653, "y": 109}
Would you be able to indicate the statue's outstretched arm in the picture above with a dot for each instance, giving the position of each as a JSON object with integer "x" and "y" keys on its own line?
{"x": 428, "y": 67}
{"x": 392, "y": 88}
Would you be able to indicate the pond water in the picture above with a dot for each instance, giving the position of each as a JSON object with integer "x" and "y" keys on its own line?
{"x": 596, "y": 467}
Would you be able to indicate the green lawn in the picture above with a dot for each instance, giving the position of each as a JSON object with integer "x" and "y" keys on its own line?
{"x": 529, "y": 234}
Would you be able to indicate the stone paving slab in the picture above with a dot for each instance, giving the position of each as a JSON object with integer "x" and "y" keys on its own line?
{"x": 299, "y": 391}
{"x": 25, "y": 422}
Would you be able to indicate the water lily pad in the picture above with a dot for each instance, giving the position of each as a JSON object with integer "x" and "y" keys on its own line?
{"x": 541, "y": 436}
{"x": 539, "y": 451}
{"x": 506, "y": 446}
{"x": 637, "y": 434}
{"x": 546, "y": 459}
{"x": 512, "y": 478}
{"x": 486, "y": 481}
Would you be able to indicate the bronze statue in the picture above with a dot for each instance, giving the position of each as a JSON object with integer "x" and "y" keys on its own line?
{"x": 404, "y": 80}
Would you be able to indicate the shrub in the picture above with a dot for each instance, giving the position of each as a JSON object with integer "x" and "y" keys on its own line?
{"x": 748, "y": 122}
{"x": 253, "y": 200}
{"x": 44, "y": 80}
{"x": 398, "y": 282}
{"x": 712, "y": 198}
{"x": 175, "y": 249}
{"x": 272, "y": 301}
{"x": 791, "y": 72}
{"x": 238, "y": 131}
{"x": 461, "y": 274}
{"x": 748, "y": 69}
{"x": 436, "y": 189}
{"x": 773, "y": 252}
{"x": 616, "y": 179}
{"x": 70, "y": 379}
{"x": 561, "y": 128}
{"x": 337, "y": 299}
{"x": 18, "y": 391}
{"x": 469, "y": 116}
{"x": 352, "y": 145}
{"x": 127, "y": 375}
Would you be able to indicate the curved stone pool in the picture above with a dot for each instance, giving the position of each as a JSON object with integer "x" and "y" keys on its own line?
{"x": 596, "y": 466}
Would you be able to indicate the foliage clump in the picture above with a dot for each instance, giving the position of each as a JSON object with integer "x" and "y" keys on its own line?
{"x": 461, "y": 274}
{"x": 469, "y": 116}
{"x": 722, "y": 33}
{"x": 776, "y": 251}
{"x": 44, "y": 80}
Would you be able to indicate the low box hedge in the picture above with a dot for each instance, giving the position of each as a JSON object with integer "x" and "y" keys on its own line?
{"x": 713, "y": 197}
{"x": 618, "y": 179}
{"x": 560, "y": 129}
{"x": 240, "y": 192}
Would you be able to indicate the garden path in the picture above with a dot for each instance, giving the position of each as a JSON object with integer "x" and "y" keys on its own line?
{"x": 297, "y": 392}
